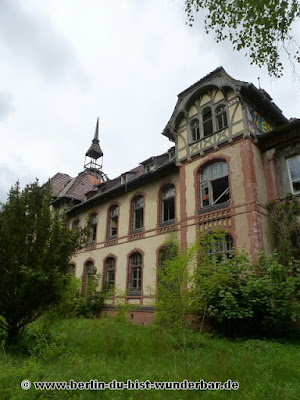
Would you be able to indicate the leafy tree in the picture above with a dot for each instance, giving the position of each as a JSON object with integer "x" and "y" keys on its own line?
{"x": 262, "y": 28}
{"x": 89, "y": 303}
{"x": 36, "y": 245}
{"x": 285, "y": 227}
{"x": 238, "y": 297}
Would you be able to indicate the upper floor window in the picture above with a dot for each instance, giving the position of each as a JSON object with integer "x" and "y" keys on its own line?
{"x": 214, "y": 185}
{"x": 168, "y": 203}
{"x": 207, "y": 121}
{"x": 214, "y": 118}
{"x": 93, "y": 233}
{"x": 195, "y": 130}
{"x": 110, "y": 266}
{"x": 135, "y": 273}
{"x": 138, "y": 213}
{"x": 113, "y": 220}
{"x": 294, "y": 173}
{"x": 221, "y": 117}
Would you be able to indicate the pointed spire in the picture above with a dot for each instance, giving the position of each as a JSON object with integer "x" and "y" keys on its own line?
{"x": 95, "y": 150}
{"x": 96, "y": 137}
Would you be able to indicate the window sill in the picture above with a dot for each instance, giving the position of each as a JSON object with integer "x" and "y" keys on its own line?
{"x": 112, "y": 237}
{"x": 134, "y": 293}
{"x": 208, "y": 209}
{"x": 138, "y": 230}
{"x": 169, "y": 222}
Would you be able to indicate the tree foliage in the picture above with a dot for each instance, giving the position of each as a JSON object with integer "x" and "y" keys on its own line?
{"x": 238, "y": 297}
{"x": 285, "y": 228}
{"x": 36, "y": 245}
{"x": 261, "y": 28}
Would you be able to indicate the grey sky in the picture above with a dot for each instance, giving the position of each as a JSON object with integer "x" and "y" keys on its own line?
{"x": 63, "y": 63}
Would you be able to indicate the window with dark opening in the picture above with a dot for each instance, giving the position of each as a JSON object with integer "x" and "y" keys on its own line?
{"x": 168, "y": 203}
{"x": 113, "y": 220}
{"x": 135, "y": 273}
{"x": 214, "y": 186}
{"x": 89, "y": 272}
{"x": 195, "y": 130}
{"x": 294, "y": 173}
{"x": 93, "y": 233}
{"x": 207, "y": 121}
{"x": 138, "y": 213}
{"x": 221, "y": 117}
{"x": 110, "y": 265}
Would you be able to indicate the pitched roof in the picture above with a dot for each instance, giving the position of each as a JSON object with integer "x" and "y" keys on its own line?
{"x": 58, "y": 182}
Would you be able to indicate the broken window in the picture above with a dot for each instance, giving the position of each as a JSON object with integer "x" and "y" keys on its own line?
{"x": 207, "y": 121}
{"x": 135, "y": 273}
{"x": 113, "y": 220}
{"x": 93, "y": 233}
{"x": 138, "y": 213}
{"x": 221, "y": 117}
{"x": 195, "y": 130}
{"x": 110, "y": 265}
{"x": 294, "y": 173}
{"x": 214, "y": 185}
{"x": 168, "y": 203}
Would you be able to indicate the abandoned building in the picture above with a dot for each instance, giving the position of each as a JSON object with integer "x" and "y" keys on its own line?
{"x": 233, "y": 151}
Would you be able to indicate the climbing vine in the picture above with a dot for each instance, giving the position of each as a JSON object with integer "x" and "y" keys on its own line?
{"x": 285, "y": 227}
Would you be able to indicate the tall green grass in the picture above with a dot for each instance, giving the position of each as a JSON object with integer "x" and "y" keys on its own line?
{"x": 105, "y": 349}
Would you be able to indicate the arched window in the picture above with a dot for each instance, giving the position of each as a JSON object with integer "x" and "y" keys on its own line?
{"x": 168, "y": 203}
{"x": 221, "y": 117}
{"x": 221, "y": 247}
{"x": 93, "y": 234}
{"x": 195, "y": 130}
{"x": 137, "y": 213}
{"x": 207, "y": 121}
{"x": 110, "y": 267}
{"x": 88, "y": 273}
{"x": 113, "y": 220}
{"x": 214, "y": 185}
{"x": 135, "y": 274}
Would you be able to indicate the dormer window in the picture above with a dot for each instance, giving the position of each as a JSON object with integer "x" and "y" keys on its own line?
{"x": 195, "y": 130}
{"x": 149, "y": 167}
{"x": 127, "y": 177}
{"x": 207, "y": 122}
{"x": 221, "y": 117}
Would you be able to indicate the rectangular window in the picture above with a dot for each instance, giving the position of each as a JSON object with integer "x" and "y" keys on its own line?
{"x": 294, "y": 173}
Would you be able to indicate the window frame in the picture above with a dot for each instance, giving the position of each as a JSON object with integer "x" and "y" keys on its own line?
{"x": 291, "y": 181}
{"x": 94, "y": 225}
{"x": 111, "y": 219}
{"x": 206, "y": 187}
{"x": 87, "y": 274}
{"x": 214, "y": 120}
{"x": 135, "y": 290}
{"x": 107, "y": 285}
{"x": 136, "y": 210}
{"x": 227, "y": 247}
{"x": 165, "y": 201}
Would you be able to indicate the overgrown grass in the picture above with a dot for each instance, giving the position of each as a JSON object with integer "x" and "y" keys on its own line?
{"x": 105, "y": 349}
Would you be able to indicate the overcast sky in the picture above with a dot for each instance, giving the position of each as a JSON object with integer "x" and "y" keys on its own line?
{"x": 66, "y": 62}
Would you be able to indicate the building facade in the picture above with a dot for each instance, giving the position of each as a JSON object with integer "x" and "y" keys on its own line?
{"x": 233, "y": 151}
